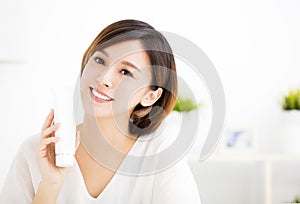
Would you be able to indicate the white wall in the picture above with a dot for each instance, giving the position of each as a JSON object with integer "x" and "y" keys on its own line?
{"x": 254, "y": 46}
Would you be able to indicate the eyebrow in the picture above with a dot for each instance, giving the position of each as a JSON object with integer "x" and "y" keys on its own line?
{"x": 103, "y": 52}
{"x": 127, "y": 63}
{"x": 124, "y": 62}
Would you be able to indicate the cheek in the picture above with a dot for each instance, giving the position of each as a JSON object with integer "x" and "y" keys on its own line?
{"x": 133, "y": 92}
{"x": 129, "y": 94}
{"x": 89, "y": 74}
{"x": 136, "y": 98}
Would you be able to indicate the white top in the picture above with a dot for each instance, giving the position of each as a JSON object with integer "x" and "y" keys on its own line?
{"x": 175, "y": 185}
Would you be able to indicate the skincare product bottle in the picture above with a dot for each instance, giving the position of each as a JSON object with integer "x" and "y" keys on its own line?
{"x": 63, "y": 114}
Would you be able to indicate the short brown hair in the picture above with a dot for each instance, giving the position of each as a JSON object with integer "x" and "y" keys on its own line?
{"x": 144, "y": 120}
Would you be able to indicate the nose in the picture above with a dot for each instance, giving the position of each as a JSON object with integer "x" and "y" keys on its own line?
{"x": 105, "y": 79}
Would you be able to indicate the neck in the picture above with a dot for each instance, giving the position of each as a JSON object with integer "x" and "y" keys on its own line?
{"x": 113, "y": 131}
{"x": 103, "y": 141}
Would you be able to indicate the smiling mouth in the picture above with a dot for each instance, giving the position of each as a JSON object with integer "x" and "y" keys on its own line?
{"x": 100, "y": 97}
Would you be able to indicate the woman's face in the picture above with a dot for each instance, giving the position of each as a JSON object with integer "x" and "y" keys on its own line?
{"x": 116, "y": 79}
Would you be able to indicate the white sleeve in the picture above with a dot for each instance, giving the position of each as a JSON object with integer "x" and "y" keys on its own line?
{"x": 176, "y": 185}
{"x": 18, "y": 185}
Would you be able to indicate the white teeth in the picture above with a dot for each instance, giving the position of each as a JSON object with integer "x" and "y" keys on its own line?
{"x": 100, "y": 95}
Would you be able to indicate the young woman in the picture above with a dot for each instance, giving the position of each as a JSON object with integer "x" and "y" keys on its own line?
{"x": 128, "y": 86}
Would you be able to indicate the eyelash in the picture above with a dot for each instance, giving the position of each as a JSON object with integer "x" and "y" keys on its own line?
{"x": 128, "y": 73}
{"x": 97, "y": 59}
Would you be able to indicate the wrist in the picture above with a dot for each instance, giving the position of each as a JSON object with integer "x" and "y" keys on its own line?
{"x": 52, "y": 180}
{"x": 47, "y": 192}
{"x": 46, "y": 182}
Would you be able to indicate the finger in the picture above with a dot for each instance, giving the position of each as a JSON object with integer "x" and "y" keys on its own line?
{"x": 45, "y": 142}
{"x": 51, "y": 151}
{"x": 48, "y": 120}
{"x": 77, "y": 140}
{"x": 51, "y": 147}
{"x": 50, "y": 130}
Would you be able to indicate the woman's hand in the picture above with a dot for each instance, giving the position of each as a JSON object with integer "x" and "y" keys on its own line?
{"x": 45, "y": 154}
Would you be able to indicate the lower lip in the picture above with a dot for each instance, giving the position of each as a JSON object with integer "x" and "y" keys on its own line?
{"x": 99, "y": 100}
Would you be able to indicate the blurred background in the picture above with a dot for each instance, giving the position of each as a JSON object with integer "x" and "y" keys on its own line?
{"x": 254, "y": 46}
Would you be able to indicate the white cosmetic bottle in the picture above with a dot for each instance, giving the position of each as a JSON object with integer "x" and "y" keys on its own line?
{"x": 63, "y": 114}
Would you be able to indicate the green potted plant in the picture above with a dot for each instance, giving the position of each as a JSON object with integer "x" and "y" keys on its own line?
{"x": 184, "y": 110}
{"x": 290, "y": 126}
{"x": 185, "y": 105}
{"x": 291, "y": 101}
{"x": 184, "y": 115}
{"x": 296, "y": 200}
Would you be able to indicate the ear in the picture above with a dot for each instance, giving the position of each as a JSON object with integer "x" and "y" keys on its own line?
{"x": 150, "y": 97}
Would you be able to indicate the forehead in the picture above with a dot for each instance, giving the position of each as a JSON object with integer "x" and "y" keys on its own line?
{"x": 131, "y": 50}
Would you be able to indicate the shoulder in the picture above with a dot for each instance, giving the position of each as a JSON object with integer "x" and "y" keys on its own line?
{"x": 162, "y": 138}
{"x": 27, "y": 149}
{"x": 25, "y": 159}
{"x": 176, "y": 184}
{"x": 29, "y": 144}
{"x": 180, "y": 169}
{"x": 23, "y": 175}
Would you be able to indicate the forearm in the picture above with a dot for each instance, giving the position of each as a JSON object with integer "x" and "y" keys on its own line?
{"x": 47, "y": 193}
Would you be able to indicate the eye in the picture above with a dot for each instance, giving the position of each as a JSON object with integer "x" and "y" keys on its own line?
{"x": 99, "y": 60}
{"x": 126, "y": 73}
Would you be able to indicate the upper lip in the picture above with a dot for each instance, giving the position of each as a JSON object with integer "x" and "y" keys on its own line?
{"x": 102, "y": 93}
